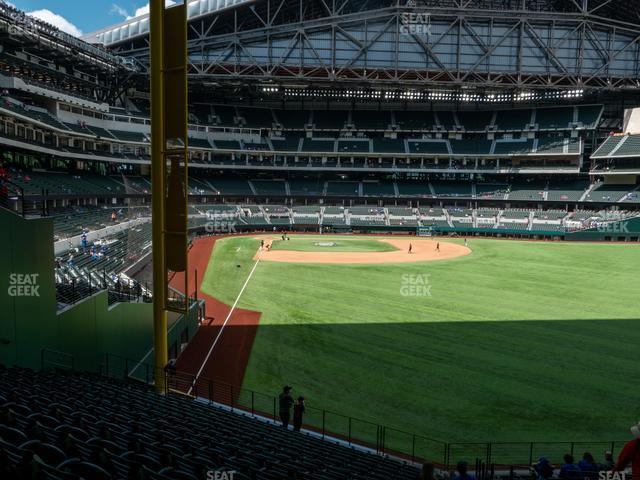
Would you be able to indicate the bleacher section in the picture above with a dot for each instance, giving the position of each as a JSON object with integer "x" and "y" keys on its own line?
{"x": 287, "y": 144}
{"x": 513, "y": 120}
{"x": 330, "y": 120}
{"x": 428, "y": 147}
{"x": 533, "y": 191}
{"x": 129, "y": 136}
{"x": 231, "y": 187}
{"x": 292, "y": 119}
{"x": 554, "y": 118}
{"x": 72, "y": 425}
{"x": 306, "y": 187}
{"x": 451, "y": 189}
{"x": 451, "y": 218}
{"x": 83, "y": 270}
{"x": 54, "y": 184}
{"x": 629, "y": 147}
{"x": 491, "y": 191}
{"x": 413, "y": 121}
{"x": 226, "y": 115}
{"x": 608, "y": 193}
{"x": 316, "y": 145}
{"x": 256, "y": 117}
{"x": 513, "y": 147}
{"x": 471, "y": 147}
{"x": 475, "y": 121}
{"x": 360, "y": 146}
{"x": 589, "y": 115}
{"x": 343, "y": 188}
{"x": 389, "y": 145}
{"x": 567, "y": 191}
{"x": 414, "y": 189}
{"x": 375, "y": 189}
{"x": 371, "y": 120}
{"x": 608, "y": 146}
{"x": 269, "y": 187}
{"x": 34, "y": 183}
{"x": 199, "y": 143}
{"x": 73, "y": 221}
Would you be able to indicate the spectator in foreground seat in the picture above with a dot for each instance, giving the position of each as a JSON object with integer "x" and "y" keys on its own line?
{"x": 543, "y": 469}
{"x": 427, "y": 472}
{"x": 170, "y": 368}
{"x": 609, "y": 461}
{"x": 569, "y": 470}
{"x": 630, "y": 455}
{"x": 462, "y": 468}
{"x": 588, "y": 465}
{"x": 285, "y": 404}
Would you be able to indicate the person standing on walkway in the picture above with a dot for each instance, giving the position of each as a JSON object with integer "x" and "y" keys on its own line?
{"x": 298, "y": 412}
{"x": 285, "y": 404}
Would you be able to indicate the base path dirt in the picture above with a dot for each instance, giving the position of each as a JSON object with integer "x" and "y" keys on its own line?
{"x": 422, "y": 250}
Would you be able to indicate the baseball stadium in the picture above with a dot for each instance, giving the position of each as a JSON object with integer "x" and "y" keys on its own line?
{"x": 312, "y": 239}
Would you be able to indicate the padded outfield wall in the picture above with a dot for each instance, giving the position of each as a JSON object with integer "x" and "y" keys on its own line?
{"x": 30, "y": 322}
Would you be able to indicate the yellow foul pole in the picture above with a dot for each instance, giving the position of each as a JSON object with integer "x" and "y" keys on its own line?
{"x": 156, "y": 36}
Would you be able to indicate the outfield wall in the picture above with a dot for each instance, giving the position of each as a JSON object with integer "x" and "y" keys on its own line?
{"x": 30, "y": 322}
{"x": 27, "y": 323}
{"x": 621, "y": 231}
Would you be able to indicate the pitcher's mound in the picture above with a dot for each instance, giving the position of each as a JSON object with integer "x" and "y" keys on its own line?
{"x": 422, "y": 250}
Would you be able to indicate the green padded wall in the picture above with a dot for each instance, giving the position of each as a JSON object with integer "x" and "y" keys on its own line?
{"x": 27, "y": 323}
{"x": 88, "y": 330}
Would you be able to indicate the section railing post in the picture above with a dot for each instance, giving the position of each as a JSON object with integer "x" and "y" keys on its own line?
{"x": 383, "y": 438}
{"x": 447, "y": 453}
{"x": 166, "y": 382}
{"x": 413, "y": 448}
{"x": 231, "y": 399}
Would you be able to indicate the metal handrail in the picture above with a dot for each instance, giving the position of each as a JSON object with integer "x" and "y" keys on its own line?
{"x": 382, "y": 439}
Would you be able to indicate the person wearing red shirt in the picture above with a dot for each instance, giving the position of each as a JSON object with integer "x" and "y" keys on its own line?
{"x": 630, "y": 455}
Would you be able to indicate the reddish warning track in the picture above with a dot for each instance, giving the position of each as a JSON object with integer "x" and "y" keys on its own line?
{"x": 228, "y": 362}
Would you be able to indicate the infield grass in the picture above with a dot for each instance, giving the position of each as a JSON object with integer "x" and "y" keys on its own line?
{"x": 332, "y": 244}
{"x": 519, "y": 341}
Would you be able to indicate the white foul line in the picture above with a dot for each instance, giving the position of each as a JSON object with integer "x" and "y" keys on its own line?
{"x": 206, "y": 359}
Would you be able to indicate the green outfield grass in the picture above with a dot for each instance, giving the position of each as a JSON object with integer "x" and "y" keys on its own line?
{"x": 519, "y": 341}
{"x": 340, "y": 244}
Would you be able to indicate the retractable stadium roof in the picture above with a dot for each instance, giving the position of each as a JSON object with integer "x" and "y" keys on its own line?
{"x": 139, "y": 26}
{"x": 626, "y": 11}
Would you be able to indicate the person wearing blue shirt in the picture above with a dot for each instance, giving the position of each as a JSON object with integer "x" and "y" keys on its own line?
{"x": 462, "y": 468}
{"x": 588, "y": 465}
{"x": 569, "y": 470}
{"x": 543, "y": 468}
